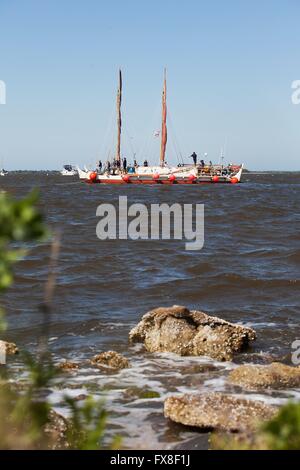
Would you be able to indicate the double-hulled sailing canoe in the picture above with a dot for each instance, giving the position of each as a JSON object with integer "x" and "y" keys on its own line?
{"x": 162, "y": 173}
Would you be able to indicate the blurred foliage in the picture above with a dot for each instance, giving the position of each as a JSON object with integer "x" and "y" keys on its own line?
{"x": 283, "y": 431}
{"x": 87, "y": 425}
{"x": 20, "y": 221}
{"x": 27, "y": 420}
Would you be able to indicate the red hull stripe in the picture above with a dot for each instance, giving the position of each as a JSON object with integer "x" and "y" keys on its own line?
{"x": 110, "y": 181}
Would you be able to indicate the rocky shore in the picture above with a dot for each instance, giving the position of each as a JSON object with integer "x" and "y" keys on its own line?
{"x": 194, "y": 333}
{"x": 233, "y": 417}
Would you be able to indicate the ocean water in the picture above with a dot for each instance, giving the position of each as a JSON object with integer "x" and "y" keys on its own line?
{"x": 247, "y": 272}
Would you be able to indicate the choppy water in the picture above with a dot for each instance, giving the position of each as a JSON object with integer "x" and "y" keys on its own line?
{"x": 247, "y": 272}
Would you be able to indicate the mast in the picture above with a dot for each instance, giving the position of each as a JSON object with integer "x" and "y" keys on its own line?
{"x": 164, "y": 132}
{"x": 119, "y": 117}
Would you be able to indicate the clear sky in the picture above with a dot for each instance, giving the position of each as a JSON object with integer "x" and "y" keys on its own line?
{"x": 230, "y": 69}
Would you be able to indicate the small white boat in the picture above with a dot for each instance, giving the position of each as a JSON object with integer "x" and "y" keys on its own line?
{"x": 69, "y": 170}
{"x": 3, "y": 172}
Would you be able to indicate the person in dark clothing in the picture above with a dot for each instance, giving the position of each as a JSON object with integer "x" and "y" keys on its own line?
{"x": 202, "y": 163}
{"x": 135, "y": 164}
{"x": 146, "y": 163}
{"x": 108, "y": 166}
{"x": 124, "y": 163}
{"x": 194, "y": 157}
{"x": 100, "y": 165}
{"x": 118, "y": 163}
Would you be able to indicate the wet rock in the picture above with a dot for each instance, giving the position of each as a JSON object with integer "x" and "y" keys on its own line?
{"x": 275, "y": 375}
{"x": 56, "y": 431}
{"x": 194, "y": 369}
{"x": 217, "y": 411}
{"x": 9, "y": 348}
{"x": 190, "y": 333}
{"x": 136, "y": 393}
{"x": 110, "y": 359}
{"x": 68, "y": 366}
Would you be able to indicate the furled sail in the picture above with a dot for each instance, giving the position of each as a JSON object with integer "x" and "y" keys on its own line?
{"x": 164, "y": 132}
{"x": 119, "y": 117}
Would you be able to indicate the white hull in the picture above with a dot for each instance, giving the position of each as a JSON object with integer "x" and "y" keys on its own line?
{"x": 73, "y": 172}
{"x": 157, "y": 175}
{"x": 68, "y": 173}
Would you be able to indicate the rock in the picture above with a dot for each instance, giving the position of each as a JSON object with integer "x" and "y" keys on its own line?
{"x": 10, "y": 348}
{"x": 275, "y": 375}
{"x": 194, "y": 369}
{"x": 110, "y": 359}
{"x": 68, "y": 366}
{"x": 217, "y": 411}
{"x": 190, "y": 333}
{"x": 56, "y": 431}
{"x": 136, "y": 393}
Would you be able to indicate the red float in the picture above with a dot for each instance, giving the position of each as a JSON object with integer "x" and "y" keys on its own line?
{"x": 234, "y": 180}
{"x": 126, "y": 178}
{"x": 215, "y": 178}
{"x": 192, "y": 178}
{"x": 172, "y": 178}
{"x": 93, "y": 176}
{"x": 155, "y": 176}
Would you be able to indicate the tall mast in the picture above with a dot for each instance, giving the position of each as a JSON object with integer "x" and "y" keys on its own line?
{"x": 119, "y": 117}
{"x": 164, "y": 132}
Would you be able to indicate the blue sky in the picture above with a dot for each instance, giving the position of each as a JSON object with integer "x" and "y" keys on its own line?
{"x": 230, "y": 68}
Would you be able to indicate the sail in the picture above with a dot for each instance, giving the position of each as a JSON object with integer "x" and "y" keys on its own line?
{"x": 164, "y": 132}
{"x": 119, "y": 117}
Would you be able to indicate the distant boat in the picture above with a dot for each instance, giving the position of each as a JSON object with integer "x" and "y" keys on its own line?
{"x": 69, "y": 170}
{"x": 162, "y": 173}
{"x": 3, "y": 172}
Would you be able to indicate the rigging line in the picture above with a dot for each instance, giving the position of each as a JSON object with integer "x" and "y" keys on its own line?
{"x": 173, "y": 136}
{"x": 108, "y": 134}
{"x": 129, "y": 138}
{"x": 225, "y": 145}
{"x": 128, "y": 128}
{"x": 149, "y": 140}
{"x": 113, "y": 137}
{"x": 173, "y": 142}
{"x": 176, "y": 142}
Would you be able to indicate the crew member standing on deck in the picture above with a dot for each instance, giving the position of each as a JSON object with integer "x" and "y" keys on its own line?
{"x": 125, "y": 164}
{"x": 100, "y": 165}
{"x": 194, "y": 157}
